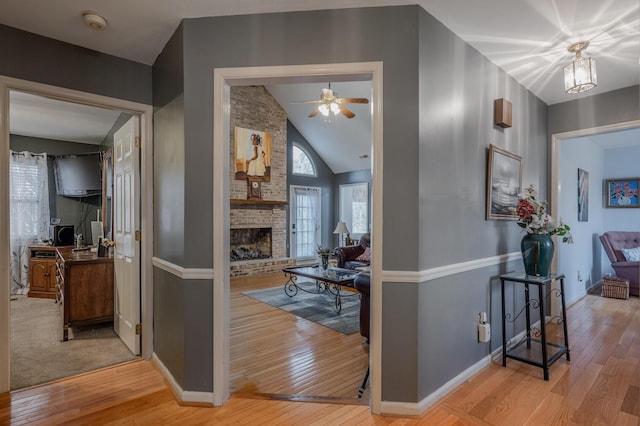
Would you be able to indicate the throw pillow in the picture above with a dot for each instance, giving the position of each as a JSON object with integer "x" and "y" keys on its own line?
{"x": 366, "y": 256}
{"x": 632, "y": 254}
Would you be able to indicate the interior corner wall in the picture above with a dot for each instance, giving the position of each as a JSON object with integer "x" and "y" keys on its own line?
{"x": 458, "y": 87}
{"x": 351, "y": 35}
{"x": 323, "y": 180}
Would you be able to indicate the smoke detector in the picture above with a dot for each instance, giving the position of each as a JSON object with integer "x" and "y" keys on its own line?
{"x": 94, "y": 21}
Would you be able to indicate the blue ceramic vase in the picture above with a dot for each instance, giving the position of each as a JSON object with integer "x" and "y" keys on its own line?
{"x": 537, "y": 254}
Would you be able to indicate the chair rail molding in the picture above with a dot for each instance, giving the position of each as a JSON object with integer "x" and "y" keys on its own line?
{"x": 183, "y": 273}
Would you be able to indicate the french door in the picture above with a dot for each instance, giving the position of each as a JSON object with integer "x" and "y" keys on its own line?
{"x": 305, "y": 221}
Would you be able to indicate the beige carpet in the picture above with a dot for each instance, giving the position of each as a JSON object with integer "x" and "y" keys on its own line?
{"x": 38, "y": 354}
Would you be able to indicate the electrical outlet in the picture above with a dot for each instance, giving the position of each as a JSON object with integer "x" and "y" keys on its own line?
{"x": 484, "y": 332}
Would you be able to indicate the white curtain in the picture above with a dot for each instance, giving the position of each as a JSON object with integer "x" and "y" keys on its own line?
{"x": 29, "y": 212}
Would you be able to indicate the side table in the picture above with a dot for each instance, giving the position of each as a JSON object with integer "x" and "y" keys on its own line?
{"x": 542, "y": 353}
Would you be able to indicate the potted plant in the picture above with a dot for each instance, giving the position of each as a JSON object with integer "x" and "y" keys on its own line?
{"x": 324, "y": 253}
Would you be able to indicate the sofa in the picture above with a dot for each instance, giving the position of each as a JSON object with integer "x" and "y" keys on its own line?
{"x": 352, "y": 257}
{"x": 362, "y": 284}
{"x": 614, "y": 242}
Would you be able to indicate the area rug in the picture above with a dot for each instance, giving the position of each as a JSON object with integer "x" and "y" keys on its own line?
{"x": 318, "y": 308}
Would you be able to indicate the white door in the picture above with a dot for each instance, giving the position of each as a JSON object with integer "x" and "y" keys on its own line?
{"x": 126, "y": 221}
{"x": 305, "y": 221}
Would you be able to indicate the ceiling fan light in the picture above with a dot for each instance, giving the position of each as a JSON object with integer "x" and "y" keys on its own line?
{"x": 324, "y": 110}
{"x": 335, "y": 109}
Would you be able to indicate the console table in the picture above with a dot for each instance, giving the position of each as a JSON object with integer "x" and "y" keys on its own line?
{"x": 534, "y": 348}
{"x": 85, "y": 288}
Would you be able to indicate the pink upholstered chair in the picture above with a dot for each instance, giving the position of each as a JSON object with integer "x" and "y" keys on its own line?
{"x": 613, "y": 243}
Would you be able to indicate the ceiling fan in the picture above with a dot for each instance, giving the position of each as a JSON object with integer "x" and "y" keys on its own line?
{"x": 331, "y": 103}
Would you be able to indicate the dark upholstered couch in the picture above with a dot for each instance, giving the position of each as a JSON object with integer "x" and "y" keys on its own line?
{"x": 362, "y": 284}
{"x": 613, "y": 243}
{"x": 346, "y": 256}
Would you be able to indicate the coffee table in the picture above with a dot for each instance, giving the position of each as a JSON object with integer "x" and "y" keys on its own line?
{"x": 328, "y": 281}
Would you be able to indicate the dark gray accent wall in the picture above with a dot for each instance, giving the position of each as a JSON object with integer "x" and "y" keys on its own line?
{"x": 44, "y": 60}
{"x": 324, "y": 180}
{"x": 617, "y": 106}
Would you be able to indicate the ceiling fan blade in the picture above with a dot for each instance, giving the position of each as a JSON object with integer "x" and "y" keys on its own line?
{"x": 346, "y": 112}
{"x": 353, "y": 100}
{"x": 308, "y": 102}
{"x": 314, "y": 113}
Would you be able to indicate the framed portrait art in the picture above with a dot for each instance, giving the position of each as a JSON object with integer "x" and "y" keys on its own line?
{"x": 504, "y": 183}
{"x": 622, "y": 193}
{"x": 252, "y": 157}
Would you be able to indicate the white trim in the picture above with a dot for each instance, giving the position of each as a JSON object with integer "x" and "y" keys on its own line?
{"x": 181, "y": 395}
{"x": 443, "y": 271}
{"x": 146, "y": 271}
{"x": 222, "y": 79}
{"x": 183, "y": 273}
{"x": 417, "y": 408}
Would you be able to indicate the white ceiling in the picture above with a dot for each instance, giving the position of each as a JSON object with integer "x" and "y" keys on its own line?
{"x": 526, "y": 38}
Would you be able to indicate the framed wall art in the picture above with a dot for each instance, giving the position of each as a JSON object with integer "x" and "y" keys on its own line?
{"x": 583, "y": 195}
{"x": 504, "y": 183}
{"x": 622, "y": 193}
{"x": 252, "y": 155}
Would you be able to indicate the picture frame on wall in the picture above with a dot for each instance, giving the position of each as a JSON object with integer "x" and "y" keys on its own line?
{"x": 622, "y": 193}
{"x": 252, "y": 156}
{"x": 583, "y": 195}
{"x": 504, "y": 183}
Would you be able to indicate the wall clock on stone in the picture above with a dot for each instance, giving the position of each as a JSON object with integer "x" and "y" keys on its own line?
{"x": 255, "y": 188}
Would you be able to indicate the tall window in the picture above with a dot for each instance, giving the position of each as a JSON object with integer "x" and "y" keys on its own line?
{"x": 354, "y": 207}
{"x": 302, "y": 164}
{"x": 29, "y": 212}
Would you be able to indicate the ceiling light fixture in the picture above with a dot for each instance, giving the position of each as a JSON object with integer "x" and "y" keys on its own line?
{"x": 94, "y": 21}
{"x": 580, "y": 75}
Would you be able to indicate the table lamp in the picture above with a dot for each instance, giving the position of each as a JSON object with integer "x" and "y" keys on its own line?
{"x": 341, "y": 228}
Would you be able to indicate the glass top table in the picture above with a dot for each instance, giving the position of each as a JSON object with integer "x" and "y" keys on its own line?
{"x": 328, "y": 281}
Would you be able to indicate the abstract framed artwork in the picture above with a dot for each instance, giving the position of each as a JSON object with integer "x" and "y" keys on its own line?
{"x": 622, "y": 193}
{"x": 583, "y": 195}
{"x": 252, "y": 154}
{"x": 504, "y": 183}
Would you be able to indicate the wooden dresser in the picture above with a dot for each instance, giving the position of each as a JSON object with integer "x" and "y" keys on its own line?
{"x": 84, "y": 287}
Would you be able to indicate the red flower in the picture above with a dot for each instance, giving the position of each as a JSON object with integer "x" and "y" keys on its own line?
{"x": 525, "y": 209}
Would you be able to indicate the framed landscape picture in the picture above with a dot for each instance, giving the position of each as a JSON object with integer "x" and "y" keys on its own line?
{"x": 504, "y": 183}
{"x": 622, "y": 193}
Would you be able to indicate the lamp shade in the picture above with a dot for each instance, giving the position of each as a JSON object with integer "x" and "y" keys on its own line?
{"x": 341, "y": 228}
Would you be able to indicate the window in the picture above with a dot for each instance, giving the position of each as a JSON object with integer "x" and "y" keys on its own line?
{"x": 302, "y": 164}
{"x": 354, "y": 207}
{"x": 305, "y": 221}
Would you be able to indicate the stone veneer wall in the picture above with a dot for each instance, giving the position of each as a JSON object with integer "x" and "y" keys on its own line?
{"x": 253, "y": 107}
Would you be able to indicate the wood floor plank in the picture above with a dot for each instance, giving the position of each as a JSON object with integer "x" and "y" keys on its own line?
{"x": 599, "y": 386}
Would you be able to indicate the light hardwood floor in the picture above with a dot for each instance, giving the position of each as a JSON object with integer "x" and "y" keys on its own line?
{"x": 601, "y": 385}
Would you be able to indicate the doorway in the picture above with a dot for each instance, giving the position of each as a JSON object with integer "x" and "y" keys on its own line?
{"x": 305, "y": 221}
{"x": 144, "y": 112}
{"x": 223, "y": 79}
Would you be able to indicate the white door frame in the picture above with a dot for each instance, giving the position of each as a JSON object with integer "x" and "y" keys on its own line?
{"x": 291, "y": 214}
{"x": 556, "y": 188}
{"x": 223, "y": 78}
{"x": 146, "y": 132}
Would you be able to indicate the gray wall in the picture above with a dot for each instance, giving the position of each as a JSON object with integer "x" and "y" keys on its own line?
{"x": 437, "y": 127}
{"x": 324, "y": 180}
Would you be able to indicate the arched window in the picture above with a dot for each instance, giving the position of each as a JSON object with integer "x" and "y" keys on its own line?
{"x": 302, "y": 163}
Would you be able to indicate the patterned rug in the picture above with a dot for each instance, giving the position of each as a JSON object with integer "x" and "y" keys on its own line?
{"x": 318, "y": 308}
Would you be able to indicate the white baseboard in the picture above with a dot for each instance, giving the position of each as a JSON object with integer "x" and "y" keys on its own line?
{"x": 182, "y": 395}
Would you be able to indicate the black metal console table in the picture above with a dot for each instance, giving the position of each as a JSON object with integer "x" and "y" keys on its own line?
{"x": 543, "y": 353}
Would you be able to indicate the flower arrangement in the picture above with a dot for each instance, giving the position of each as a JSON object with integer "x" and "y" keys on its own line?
{"x": 323, "y": 251}
{"x": 533, "y": 218}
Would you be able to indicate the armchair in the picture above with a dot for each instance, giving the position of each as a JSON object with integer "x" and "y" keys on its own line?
{"x": 613, "y": 242}
{"x": 346, "y": 256}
